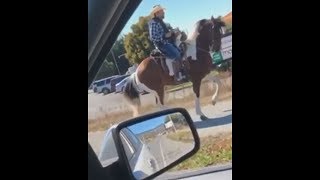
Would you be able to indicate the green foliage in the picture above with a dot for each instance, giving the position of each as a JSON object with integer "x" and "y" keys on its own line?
{"x": 136, "y": 43}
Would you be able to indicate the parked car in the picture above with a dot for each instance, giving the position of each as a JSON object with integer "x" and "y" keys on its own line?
{"x": 120, "y": 86}
{"x": 116, "y": 80}
{"x": 103, "y": 85}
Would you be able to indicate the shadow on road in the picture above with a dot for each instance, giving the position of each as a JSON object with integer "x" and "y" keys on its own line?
{"x": 214, "y": 122}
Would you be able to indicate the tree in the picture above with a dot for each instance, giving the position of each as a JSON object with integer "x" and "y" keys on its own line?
{"x": 136, "y": 43}
{"x": 229, "y": 28}
{"x": 118, "y": 50}
{"x": 108, "y": 67}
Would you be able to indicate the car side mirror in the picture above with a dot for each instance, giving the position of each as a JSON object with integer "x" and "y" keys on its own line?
{"x": 152, "y": 144}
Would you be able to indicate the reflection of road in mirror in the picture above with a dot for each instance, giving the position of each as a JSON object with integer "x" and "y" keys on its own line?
{"x": 166, "y": 150}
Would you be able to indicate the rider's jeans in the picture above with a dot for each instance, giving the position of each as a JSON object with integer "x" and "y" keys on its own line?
{"x": 170, "y": 51}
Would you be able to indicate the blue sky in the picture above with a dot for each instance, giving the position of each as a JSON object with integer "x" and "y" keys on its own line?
{"x": 147, "y": 125}
{"x": 182, "y": 13}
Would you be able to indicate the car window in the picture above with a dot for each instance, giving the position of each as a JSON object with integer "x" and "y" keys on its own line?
{"x": 100, "y": 83}
{"x": 131, "y": 47}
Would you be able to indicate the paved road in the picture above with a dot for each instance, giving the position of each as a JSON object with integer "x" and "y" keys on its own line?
{"x": 167, "y": 151}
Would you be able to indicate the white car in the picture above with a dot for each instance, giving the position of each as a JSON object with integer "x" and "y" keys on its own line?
{"x": 120, "y": 86}
{"x": 141, "y": 160}
{"x": 103, "y": 85}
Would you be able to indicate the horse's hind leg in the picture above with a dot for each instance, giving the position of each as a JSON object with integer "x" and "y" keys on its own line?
{"x": 135, "y": 109}
{"x": 160, "y": 97}
{"x": 196, "y": 89}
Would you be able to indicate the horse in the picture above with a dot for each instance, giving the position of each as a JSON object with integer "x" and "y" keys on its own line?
{"x": 151, "y": 77}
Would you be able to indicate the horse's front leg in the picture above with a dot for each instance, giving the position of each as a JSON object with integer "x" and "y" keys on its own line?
{"x": 216, "y": 84}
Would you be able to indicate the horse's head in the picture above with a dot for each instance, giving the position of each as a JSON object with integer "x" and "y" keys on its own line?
{"x": 218, "y": 31}
{"x": 210, "y": 32}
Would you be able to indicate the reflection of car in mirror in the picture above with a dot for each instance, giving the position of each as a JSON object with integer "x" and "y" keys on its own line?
{"x": 141, "y": 160}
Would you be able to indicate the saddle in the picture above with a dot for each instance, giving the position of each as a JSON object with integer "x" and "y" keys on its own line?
{"x": 182, "y": 64}
{"x": 160, "y": 61}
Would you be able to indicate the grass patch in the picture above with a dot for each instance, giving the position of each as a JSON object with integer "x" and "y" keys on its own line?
{"x": 179, "y": 87}
{"x": 181, "y": 135}
{"x": 213, "y": 150}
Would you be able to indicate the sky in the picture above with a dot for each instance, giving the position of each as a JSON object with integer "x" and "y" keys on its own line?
{"x": 147, "y": 125}
{"x": 182, "y": 13}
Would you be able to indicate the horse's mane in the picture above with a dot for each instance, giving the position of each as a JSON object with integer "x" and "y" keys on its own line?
{"x": 192, "y": 36}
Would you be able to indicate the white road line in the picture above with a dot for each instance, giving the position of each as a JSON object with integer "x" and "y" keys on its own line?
{"x": 164, "y": 161}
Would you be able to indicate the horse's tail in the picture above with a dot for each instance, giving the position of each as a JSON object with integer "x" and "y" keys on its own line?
{"x": 131, "y": 93}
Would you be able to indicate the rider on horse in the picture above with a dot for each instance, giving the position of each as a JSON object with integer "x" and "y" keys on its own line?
{"x": 163, "y": 39}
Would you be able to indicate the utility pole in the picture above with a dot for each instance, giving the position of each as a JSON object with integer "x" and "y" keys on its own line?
{"x": 115, "y": 62}
{"x": 121, "y": 55}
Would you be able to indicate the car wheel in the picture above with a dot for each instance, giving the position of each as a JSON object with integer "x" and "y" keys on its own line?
{"x": 105, "y": 91}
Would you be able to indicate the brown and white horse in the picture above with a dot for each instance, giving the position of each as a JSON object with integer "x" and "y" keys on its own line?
{"x": 151, "y": 77}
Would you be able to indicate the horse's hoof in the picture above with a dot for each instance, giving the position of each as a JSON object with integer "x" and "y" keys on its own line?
{"x": 214, "y": 103}
{"x": 203, "y": 117}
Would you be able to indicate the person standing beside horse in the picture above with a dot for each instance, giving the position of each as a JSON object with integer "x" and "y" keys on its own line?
{"x": 163, "y": 39}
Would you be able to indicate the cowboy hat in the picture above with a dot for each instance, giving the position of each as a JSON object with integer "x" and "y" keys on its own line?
{"x": 155, "y": 9}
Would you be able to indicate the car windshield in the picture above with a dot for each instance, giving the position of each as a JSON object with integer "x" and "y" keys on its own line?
{"x": 211, "y": 112}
